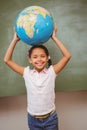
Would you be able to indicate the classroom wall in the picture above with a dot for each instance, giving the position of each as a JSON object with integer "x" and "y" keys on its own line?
{"x": 70, "y": 17}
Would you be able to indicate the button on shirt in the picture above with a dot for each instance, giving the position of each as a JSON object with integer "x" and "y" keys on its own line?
{"x": 40, "y": 90}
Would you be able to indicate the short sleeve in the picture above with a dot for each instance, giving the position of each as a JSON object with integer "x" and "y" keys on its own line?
{"x": 26, "y": 71}
{"x": 51, "y": 69}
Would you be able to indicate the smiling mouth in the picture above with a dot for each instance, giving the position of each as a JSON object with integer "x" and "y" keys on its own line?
{"x": 39, "y": 64}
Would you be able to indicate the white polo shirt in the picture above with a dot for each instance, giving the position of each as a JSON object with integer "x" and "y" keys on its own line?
{"x": 40, "y": 90}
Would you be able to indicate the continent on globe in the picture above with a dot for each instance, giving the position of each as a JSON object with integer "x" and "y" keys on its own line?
{"x": 34, "y": 25}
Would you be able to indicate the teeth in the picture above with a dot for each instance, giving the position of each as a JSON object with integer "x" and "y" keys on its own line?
{"x": 39, "y": 63}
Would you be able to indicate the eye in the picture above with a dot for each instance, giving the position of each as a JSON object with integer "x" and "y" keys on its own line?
{"x": 43, "y": 56}
{"x": 35, "y": 57}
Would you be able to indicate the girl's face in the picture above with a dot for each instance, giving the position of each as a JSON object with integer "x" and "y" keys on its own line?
{"x": 38, "y": 59}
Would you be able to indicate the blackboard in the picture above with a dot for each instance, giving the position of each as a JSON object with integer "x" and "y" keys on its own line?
{"x": 70, "y": 17}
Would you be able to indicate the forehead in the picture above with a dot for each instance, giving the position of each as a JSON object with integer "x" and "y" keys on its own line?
{"x": 37, "y": 51}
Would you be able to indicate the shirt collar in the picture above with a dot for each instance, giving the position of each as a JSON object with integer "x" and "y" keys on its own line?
{"x": 43, "y": 71}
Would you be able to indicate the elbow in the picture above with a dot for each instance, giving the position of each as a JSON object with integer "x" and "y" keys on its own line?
{"x": 68, "y": 57}
{"x": 6, "y": 60}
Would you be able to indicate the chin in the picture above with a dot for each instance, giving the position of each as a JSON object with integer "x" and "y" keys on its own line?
{"x": 39, "y": 68}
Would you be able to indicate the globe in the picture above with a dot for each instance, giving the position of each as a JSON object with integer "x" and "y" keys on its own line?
{"x": 34, "y": 25}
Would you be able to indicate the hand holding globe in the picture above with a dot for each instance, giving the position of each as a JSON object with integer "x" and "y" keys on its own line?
{"x": 34, "y": 25}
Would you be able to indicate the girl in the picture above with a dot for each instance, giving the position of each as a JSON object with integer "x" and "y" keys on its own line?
{"x": 40, "y": 82}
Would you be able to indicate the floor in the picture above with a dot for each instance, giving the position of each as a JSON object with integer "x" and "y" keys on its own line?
{"x": 71, "y": 108}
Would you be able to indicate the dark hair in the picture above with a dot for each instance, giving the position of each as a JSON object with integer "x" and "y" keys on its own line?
{"x": 42, "y": 47}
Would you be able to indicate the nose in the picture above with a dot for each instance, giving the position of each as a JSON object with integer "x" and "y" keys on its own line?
{"x": 39, "y": 58}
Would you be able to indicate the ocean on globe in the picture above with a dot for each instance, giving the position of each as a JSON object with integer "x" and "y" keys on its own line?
{"x": 34, "y": 25}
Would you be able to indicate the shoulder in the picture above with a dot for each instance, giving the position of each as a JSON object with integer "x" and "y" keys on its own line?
{"x": 51, "y": 70}
{"x": 26, "y": 71}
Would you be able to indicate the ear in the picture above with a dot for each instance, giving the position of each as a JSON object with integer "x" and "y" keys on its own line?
{"x": 47, "y": 59}
{"x": 30, "y": 61}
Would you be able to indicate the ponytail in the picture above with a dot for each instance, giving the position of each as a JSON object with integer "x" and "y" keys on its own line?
{"x": 49, "y": 62}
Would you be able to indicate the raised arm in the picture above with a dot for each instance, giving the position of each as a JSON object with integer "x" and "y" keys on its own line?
{"x": 8, "y": 56}
{"x": 66, "y": 55}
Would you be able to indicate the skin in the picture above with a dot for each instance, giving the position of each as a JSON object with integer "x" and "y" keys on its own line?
{"x": 38, "y": 57}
